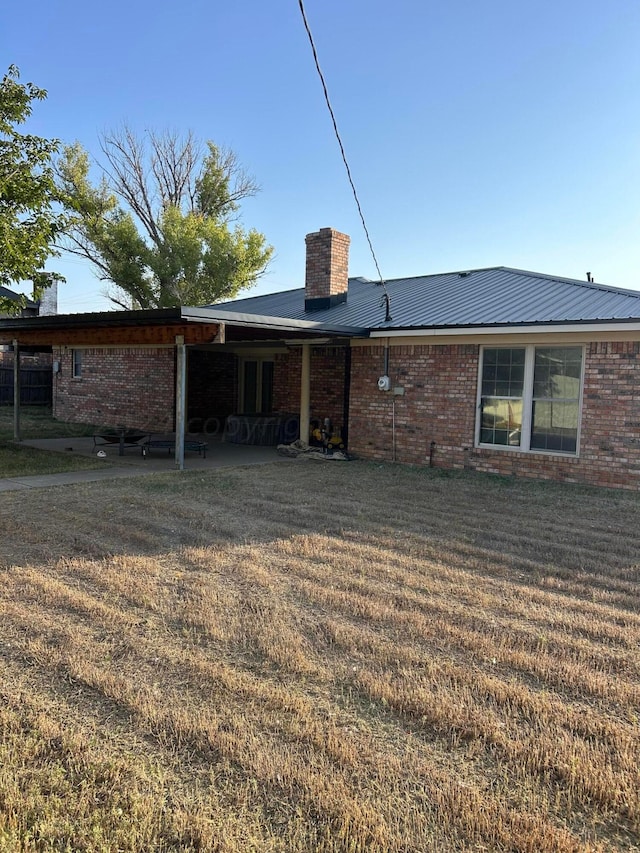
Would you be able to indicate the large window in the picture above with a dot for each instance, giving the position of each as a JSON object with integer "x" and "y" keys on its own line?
{"x": 530, "y": 398}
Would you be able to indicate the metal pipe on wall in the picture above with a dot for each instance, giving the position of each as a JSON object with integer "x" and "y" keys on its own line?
{"x": 393, "y": 429}
{"x": 393, "y": 402}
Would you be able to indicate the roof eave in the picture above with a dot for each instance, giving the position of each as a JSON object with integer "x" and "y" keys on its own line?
{"x": 627, "y": 324}
{"x": 278, "y": 324}
{"x": 154, "y": 316}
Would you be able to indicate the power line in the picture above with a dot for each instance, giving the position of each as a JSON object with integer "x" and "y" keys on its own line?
{"x": 387, "y": 300}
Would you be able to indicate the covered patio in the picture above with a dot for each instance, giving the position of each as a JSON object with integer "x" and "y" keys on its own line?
{"x": 145, "y": 369}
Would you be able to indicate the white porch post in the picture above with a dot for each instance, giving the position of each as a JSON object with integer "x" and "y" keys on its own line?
{"x": 305, "y": 392}
{"x": 181, "y": 397}
{"x": 16, "y": 390}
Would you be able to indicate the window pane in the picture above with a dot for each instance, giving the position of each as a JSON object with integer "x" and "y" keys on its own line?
{"x": 556, "y": 394}
{"x": 488, "y": 379}
{"x": 555, "y": 426}
{"x": 77, "y": 363}
{"x": 557, "y": 373}
{"x": 503, "y": 372}
{"x": 501, "y": 421}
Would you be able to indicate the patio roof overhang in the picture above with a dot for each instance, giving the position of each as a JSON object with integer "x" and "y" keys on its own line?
{"x": 115, "y": 327}
{"x": 158, "y": 326}
{"x": 275, "y": 324}
{"x": 178, "y": 327}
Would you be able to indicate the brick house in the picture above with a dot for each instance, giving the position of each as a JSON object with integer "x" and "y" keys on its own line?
{"x": 496, "y": 370}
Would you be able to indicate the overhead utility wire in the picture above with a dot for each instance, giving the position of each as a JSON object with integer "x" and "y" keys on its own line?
{"x": 387, "y": 300}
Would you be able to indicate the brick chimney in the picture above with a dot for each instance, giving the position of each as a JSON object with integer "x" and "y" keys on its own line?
{"x": 47, "y": 304}
{"x": 327, "y": 271}
{"x": 49, "y": 300}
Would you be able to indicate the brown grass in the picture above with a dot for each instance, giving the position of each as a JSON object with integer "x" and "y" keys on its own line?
{"x": 319, "y": 657}
{"x": 19, "y": 460}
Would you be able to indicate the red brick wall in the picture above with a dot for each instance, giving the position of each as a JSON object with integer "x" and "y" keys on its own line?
{"x": 131, "y": 387}
{"x": 134, "y": 387}
{"x": 327, "y": 383}
{"x": 286, "y": 381}
{"x": 439, "y": 405}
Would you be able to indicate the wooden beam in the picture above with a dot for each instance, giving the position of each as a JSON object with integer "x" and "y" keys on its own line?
{"x": 181, "y": 399}
{"x": 98, "y": 336}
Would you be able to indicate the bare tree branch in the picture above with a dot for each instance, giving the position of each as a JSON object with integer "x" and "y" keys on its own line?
{"x": 157, "y": 225}
{"x": 126, "y": 156}
{"x": 174, "y": 161}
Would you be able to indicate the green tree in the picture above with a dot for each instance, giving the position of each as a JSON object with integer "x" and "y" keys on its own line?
{"x": 29, "y": 217}
{"x": 159, "y": 225}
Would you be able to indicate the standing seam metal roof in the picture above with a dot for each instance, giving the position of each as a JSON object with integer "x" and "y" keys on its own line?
{"x": 483, "y": 297}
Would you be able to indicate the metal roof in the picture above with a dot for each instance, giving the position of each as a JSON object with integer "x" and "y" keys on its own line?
{"x": 157, "y": 316}
{"x": 310, "y": 325}
{"x": 9, "y": 294}
{"x": 496, "y": 296}
{"x": 5, "y": 293}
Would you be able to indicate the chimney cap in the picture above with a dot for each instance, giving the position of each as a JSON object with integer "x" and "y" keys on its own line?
{"x": 325, "y": 232}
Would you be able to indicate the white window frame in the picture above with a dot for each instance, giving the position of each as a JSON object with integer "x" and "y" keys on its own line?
{"x": 527, "y": 399}
{"x": 76, "y": 363}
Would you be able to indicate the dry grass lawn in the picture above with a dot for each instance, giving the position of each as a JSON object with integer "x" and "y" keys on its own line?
{"x": 19, "y": 460}
{"x": 319, "y": 657}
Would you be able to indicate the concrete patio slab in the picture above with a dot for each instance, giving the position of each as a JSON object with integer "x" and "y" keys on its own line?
{"x": 132, "y": 463}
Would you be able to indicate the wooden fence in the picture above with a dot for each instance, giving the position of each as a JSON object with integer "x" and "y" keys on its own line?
{"x": 36, "y": 386}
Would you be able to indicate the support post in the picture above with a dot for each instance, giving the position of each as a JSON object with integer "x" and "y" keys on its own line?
{"x": 181, "y": 397}
{"x": 305, "y": 392}
{"x": 16, "y": 390}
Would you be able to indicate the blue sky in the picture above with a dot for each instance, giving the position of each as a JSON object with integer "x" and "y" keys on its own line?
{"x": 478, "y": 134}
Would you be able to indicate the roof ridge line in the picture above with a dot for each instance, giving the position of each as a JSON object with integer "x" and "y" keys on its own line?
{"x": 589, "y": 285}
{"x": 467, "y": 270}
